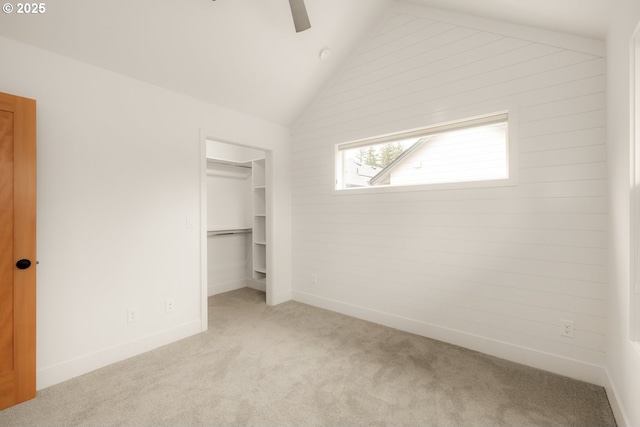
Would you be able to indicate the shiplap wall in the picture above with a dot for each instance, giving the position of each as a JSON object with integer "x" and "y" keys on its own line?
{"x": 492, "y": 269}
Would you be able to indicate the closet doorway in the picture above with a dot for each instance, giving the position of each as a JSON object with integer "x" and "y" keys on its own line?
{"x": 237, "y": 206}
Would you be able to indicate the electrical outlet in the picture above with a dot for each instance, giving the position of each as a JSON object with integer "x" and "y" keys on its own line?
{"x": 169, "y": 305}
{"x": 132, "y": 314}
{"x": 314, "y": 278}
{"x": 566, "y": 328}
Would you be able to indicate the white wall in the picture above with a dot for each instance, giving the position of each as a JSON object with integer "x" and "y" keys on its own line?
{"x": 228, "y": 262}
{"x": 492, "y": 269}
{"x": 229, "y": 202}
{"x": 229, "y": 206}
{"x": 119, "y": 174}
{"x": 623, "y": 356}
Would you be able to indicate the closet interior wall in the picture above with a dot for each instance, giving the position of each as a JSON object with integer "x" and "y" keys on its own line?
{"x": 229, "y": 226}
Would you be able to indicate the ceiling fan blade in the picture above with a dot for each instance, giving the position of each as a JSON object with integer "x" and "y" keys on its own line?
{"x": 300, "y": 17}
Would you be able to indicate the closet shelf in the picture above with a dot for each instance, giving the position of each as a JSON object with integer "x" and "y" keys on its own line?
{"x": 259, "y": 236}
{"x": 246, "y": 165}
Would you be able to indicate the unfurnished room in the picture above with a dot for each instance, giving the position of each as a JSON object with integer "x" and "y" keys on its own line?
{"x": 320, "y": 213}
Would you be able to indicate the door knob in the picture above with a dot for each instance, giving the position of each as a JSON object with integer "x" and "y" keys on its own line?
{"x": 23, "y": 264}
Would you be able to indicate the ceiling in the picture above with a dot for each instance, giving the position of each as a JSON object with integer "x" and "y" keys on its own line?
{"x": 587, "y": 18}
{"x": 245, "y": 54}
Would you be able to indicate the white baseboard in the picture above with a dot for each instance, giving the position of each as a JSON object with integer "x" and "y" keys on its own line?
{"x": 226, "y": 287}
{"x": 282, "y": 297}
{"x": 560, "y": 365}
{"x": 612, "y": 394}
{"x": 66, "y": 370}
{"x": 258, "y": 285}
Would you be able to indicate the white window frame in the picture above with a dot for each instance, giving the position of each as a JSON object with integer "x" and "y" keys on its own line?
{"x": 512, "y": 156}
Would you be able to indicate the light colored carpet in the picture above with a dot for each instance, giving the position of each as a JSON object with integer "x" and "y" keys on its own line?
{"x": 297, "y": 365}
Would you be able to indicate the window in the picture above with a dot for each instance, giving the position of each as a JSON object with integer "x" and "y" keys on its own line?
{"x": 471, "y": 150}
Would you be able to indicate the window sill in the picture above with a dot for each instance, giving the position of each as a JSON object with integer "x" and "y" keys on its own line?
{"x": 465, "y": 185}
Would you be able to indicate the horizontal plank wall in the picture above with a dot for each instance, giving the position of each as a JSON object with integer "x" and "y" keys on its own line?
{"x": 492, "y": 269}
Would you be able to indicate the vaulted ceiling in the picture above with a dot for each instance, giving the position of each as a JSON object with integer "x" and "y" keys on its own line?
{"x": 245, "y": 54}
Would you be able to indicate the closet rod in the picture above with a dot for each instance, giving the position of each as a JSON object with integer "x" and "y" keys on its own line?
{"x": 229, "y": 232}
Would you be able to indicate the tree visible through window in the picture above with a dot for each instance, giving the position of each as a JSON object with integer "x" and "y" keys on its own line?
{"x": 380, "y": 156}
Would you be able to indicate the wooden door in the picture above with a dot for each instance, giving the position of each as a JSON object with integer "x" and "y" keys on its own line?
{"x": 17, "y": 250}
